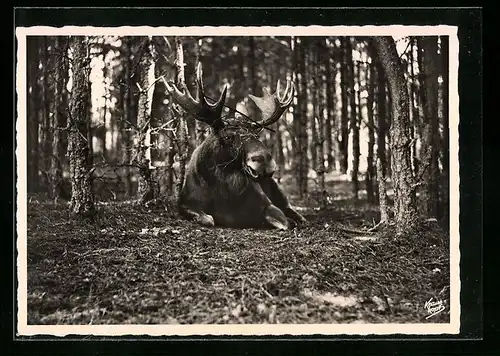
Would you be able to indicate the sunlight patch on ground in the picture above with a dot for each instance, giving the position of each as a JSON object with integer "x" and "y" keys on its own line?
{"x": 365, "y": 238}
{"x": 337, "y": 300}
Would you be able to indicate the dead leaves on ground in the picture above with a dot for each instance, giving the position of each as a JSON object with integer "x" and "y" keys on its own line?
{"x": 140, "y": 266}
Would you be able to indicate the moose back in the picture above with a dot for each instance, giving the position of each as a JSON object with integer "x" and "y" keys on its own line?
{"x": 228, "y": 179}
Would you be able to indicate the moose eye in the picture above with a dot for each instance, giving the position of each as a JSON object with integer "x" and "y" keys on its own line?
{"x": 257, "y": 158}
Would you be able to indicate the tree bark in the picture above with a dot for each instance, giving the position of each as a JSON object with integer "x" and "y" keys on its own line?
{"x": 381, "y": 117}
{"x": 402, "y": 178}
{"x": 104, "y": 128}
{"x": 127, "y": 113}
{"x": 330, "y": 120}
{"x": 181, "y": 121}
{"x": 344, "y": 122}
{"x": 310, "y": 66}
{"x": 200, "y": 127}
{"x": 431, "y": 124}
{"x": 382, "y": 192}
{"x": 445, "y": 146}
{"x": 280, "y": 155}
{"x": 58, "y": 119}
{"x": 320, "y": 120}
{"x": 252, "y": 66}
{"x": 45, "y": 129}
{"x": 147, "y": 185}
{"x": 33, "y": 106}
{"x": 370, "y": 166}
{"x": 46, "y": 100}
{"x": 82, "y": 196}
{"x": 302, "y": 147}
{"x": 354, "y": 127}
{"x": 414, "y": 108}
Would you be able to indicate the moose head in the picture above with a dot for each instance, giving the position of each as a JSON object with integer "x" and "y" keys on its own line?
{"x": 228, "y": 179}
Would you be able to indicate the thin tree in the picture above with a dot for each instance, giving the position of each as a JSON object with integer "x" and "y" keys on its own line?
{"x": 312, "y": 88}
{"x": 320, "y": 120}
{"x": 330, "y": 122}
{"x": 103, "y": 127}
{"x": 429, "y": 46}
{"x": 200, "y": 126}
{"x": 344, "y": 121}
{"x": 370, "y": 166}
{"x": 58, "y": 119}
{"x": 33, "y": 113}
{"x": 402, "y": 177}
{"x": 45, "y": 127}
{"x": 354, "y": 127}
{"x": 181, "y": 121}
{"x": 445, "y": 146}
{"x": 303, "y": 146}
{"x": 252, "y": 66}
{"x": 147, "y": 189}
{"x": 415, "y": 115}
{"x": 127, "y": 110}
{"x": 300, "y": 160}
{"x": 82, "y": 196}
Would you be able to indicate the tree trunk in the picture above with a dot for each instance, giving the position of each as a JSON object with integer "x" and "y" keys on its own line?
{"x": 200, "y": 127}
{"x": 33, "y": 106}
{"x": 370, "y": 166}
{"x": 330, "y": 120}
{"x": 146, "y": 186}
{"x": 382, "y": 192}
{"x": 299, "y": 137}
{"x": 402, "y": 178}
{"x": 280, "y": 155}
{"x": 320, "y": 120}
{"x": 302, "y": 147}
{"x": 344, "y": 122}
{"x": 431, "y": 122}
{"x": 126, "y": 122}
{"x": 58, "y": 122}
{"x": 104, "y": 128}
{"x": 414, "y": 108}
{"x": 445, "y": 146}
{"x": 90, "y": 131}
{"x": 190, "y": 79}
{"x": 353, "y": 123}
{"x": 388, "y": 124}
{"x": 310, "y": 66}
{"x": 82, "y": 196}
{"x": 45, "y": 136}
{"x": 276, "y": 137}
{"x": 252, "y": 66}
{"x": 381, "y": 117}
{"x": 181, "y": 121}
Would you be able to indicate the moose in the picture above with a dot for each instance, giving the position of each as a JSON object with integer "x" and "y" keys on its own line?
{"x": 228, "y": 180}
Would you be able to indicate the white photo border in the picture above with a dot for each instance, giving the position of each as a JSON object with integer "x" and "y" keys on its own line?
{"x": 453, "y": 327}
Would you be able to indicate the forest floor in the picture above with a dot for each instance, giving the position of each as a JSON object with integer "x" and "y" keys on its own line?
{"x": 138, "y": 265}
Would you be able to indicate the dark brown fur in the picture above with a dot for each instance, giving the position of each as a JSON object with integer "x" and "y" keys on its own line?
{"x": 218, "y": 191}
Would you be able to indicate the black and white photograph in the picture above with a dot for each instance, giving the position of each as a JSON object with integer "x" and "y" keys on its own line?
{"x": 274, "y": 180}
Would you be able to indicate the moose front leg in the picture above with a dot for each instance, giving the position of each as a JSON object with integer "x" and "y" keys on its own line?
{"x": 278, "y": 198}
{"x": 272, "y": 214}
{"x": 191, "y": 200}
{"x": 197, "y": 215}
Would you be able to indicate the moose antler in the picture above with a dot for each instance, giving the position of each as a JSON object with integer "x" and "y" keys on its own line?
{"x": 273, "y": 106}
{"x": 201, "y": 108}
